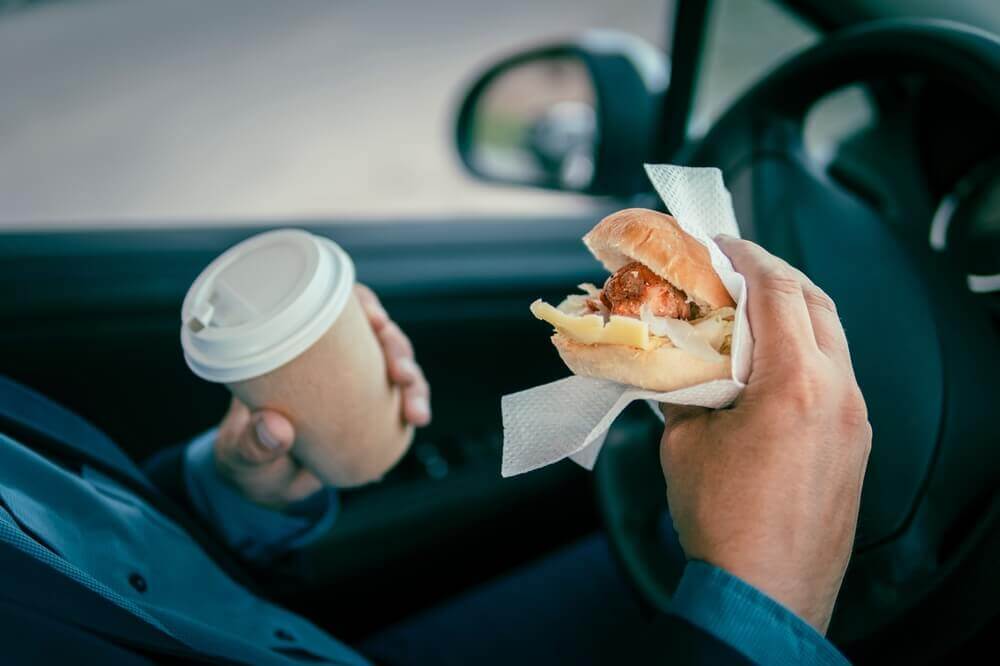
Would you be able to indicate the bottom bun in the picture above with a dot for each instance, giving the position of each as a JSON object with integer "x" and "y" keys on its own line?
{"x": 663, "y": 368}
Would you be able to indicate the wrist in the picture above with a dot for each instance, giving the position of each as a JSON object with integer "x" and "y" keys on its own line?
{"x": 256, "y": 531}
{"x": 747, "y": 619}
{"x": 801, "y": 592}
{"x": 239, "y": 484}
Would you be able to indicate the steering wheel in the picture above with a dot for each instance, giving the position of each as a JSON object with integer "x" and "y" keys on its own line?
{"x": 924, "y": 347}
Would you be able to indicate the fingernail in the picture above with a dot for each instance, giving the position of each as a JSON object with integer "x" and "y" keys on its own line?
{"x": 723, "y": 237}
{"x": 421, "y": 409}
{"x": 407, "y": 366}
{"x": 264, "y": 436}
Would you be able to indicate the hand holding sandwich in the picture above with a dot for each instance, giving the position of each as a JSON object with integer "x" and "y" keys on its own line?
{"x": 769, "y": 489}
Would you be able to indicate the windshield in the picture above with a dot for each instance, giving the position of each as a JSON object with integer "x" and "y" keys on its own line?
{"x": 147, "y": 112}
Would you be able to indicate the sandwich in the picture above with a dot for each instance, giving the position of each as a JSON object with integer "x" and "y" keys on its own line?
{"x": 663, "y": 320}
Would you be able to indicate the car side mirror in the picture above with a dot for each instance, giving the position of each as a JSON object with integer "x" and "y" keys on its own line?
{"x": 578, "y": 116}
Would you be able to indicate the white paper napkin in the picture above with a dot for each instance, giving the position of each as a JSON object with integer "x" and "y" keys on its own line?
{"x": 570, "y": 417}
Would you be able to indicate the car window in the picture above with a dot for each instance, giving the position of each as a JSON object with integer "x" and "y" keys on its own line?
{"x": 143, "y": 112}
{"x": 744, "y": 40}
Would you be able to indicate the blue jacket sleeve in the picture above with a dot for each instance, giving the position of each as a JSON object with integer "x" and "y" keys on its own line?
{"x": 740, "y": 615}
{"x": 256, "y": 532}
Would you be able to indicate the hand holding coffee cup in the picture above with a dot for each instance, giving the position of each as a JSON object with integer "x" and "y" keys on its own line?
{"x": 278, "y": 319}
{"x": 253, "y": 449}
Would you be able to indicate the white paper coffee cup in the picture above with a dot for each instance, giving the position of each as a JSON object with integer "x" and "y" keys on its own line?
{"x": 262, "y": 303}
{"x": 275, "y": 318}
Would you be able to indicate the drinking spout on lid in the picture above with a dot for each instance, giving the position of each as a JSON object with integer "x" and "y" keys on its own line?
{"x": 201, "y": 316}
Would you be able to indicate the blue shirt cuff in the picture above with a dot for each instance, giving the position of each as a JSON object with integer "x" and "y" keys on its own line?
{"x": 748, "y": 620}
{"x": 256, "y": 532}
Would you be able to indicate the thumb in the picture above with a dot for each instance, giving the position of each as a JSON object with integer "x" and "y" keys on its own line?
{"x": 267, "y": 436}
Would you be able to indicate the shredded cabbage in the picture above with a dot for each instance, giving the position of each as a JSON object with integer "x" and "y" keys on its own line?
{"x": 695, "y": 339}
{"x": 716, "y": 327}
{"x": 576, "y": 304}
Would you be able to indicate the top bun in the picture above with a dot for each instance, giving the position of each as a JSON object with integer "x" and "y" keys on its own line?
{"x": 657, "y": 241}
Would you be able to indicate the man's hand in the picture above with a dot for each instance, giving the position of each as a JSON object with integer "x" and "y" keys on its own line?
{"x": 253, "y": 449}
{"x": 769, "y": 490}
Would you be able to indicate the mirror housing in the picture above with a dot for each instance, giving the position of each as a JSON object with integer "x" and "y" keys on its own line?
{"x": 580, "y": 116}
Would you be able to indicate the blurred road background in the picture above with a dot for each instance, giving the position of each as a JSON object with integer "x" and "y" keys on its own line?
{"x": 143, "y": 111}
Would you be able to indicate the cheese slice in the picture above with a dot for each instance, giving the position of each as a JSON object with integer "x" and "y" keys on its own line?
{"x": 591, "y": 329}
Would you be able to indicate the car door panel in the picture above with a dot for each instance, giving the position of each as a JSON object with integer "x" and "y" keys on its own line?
{"x": 91, "y": 319}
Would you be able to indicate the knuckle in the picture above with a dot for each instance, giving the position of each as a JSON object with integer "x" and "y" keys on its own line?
{"x": 819, "y": 299}
{"x": 804, "y": 390}
{"x": 668, "y": 454}
{"x": 854, "y": 412}
{"x": 673, "y": 437}
{"x": 867, "y": 436}
{"x": 777, "y": 280}
{"x": 861, "y": 439}
{"x": 787, "y": 357}
{"x": 668, "y": 442}
{"x": 856, "y": 424}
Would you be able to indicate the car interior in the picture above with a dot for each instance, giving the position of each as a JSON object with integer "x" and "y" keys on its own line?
{"x": 867, "y": 154}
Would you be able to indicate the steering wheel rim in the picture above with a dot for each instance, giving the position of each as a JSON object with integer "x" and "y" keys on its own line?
{"x": 764, "y": 129}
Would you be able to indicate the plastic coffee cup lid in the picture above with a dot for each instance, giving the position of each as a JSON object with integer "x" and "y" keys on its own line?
{"x": 263, "y": 302}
